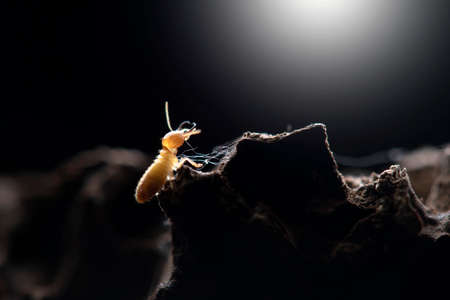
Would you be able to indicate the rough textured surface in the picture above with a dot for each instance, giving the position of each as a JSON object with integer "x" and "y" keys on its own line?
{"x": 274, "y": 220}
{"x": 76, "y": 232}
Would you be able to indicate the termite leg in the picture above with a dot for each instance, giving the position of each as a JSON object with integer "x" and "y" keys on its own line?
{"x": 186, "y": 159}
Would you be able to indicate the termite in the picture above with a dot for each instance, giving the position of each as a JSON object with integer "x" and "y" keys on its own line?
{"x": 166, "y": 162}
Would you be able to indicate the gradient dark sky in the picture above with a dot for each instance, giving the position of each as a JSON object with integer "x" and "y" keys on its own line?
{"x": 87, "y": 73}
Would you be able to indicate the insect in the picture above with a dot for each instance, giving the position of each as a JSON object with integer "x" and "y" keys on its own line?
{"x": 166, "y": 162}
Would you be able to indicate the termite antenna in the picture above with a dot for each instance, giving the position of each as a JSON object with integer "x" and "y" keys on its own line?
{"x": 167, "y": 116}
{"x": 182, "y": 124}
{"x": 192, "y": 124}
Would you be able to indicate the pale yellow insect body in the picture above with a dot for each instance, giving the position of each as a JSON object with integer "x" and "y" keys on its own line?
{"x": 156, "y": 175}
{"x": 165, "y": 163}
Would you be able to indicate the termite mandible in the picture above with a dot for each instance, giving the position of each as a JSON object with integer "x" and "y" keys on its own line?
{"x": 166, "y": 162}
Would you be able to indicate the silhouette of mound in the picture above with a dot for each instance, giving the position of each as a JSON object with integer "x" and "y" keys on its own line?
{"x": 275, "y": 219}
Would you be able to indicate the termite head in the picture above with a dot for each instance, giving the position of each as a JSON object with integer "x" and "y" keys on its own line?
{"x": 176, "y": 138}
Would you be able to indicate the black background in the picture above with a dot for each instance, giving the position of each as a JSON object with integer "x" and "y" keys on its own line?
{"x": 86, "y": 73}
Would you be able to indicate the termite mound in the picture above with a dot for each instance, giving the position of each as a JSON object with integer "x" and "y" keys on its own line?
{"x": 276, "y": 212}
{"x": 274, "y": 219}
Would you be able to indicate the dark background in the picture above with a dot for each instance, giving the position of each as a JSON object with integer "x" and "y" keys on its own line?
{"x": 86, "y": 73}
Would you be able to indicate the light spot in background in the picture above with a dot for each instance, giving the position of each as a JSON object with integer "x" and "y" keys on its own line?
{"x": 330, "y": 41}
{"x": 321, "y": 50}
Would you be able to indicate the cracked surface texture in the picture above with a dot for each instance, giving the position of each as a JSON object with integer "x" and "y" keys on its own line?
{"x": 275, "y": 219}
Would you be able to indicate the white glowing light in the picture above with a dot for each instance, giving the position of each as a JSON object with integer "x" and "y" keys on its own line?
{"x": 326, "y": 49}
{"x": 322, "y": 27}
{"x": 332, "y": 19}
{"x": 320, "y": 15}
